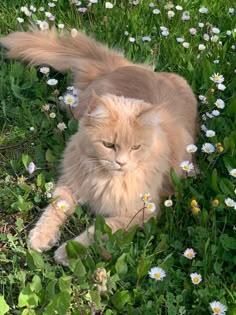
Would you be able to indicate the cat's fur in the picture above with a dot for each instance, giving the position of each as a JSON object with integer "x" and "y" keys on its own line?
{"x": 120, "y": 103}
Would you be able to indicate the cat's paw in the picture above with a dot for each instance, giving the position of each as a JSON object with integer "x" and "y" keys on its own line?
{"x": 41, "y": 240}
{"x": 60, "y": 255}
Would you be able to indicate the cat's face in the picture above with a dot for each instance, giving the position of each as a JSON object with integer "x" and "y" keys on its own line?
{"x": 120, "y": 133}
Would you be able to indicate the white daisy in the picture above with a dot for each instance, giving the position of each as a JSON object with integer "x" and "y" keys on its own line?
{"x": 52, "y": 82}
{"x": 157, "y": 273}
{"x": 221, "y": 87}
{"x": 151, "y": 206}
{"x": 189, "y": 253}
{"x": 210, "y": 133}
{"x": 145, "y": 197}
{"x": 63, "y": 205}
{"x": 201, "y": 25}
{"x": 20, "y": 20}
{"x": 170, "y": 14}
{"x": 44, "y": 70}
{"x": 61, "y": 126}
{"x": 44, "y": 26}
{"x": 191, "y": 148}
{"x": 61, "y": 26}
{"x": 231, "y": 10}
{"x": 185, "y": 16}
{"x": 208, "y": 148}
{"x": 156, "y": 11}
{"x": 146, "y": 39}
{"x": 201, "y": 47}
{"x": 215, "y": 113}
{"x": 187, "y": 166}
{"x": 217, "y": 78}
{"x": 214, "y": 38}
{"x": 31, "y": 167}
{"x": 132, "y": 39}
{"x": 179, "y": 8}
{"x": 229, "y": 202}
{"x": 218, "y": 308}
{"x": 70, "y": 99}
{"x": 215, "y": 30}
{"x": 220, "y": 103}
{"x": 196, "y": 278}
{"x": 168, "y": 203}
{"x": 180, "y": 39}
{"x": 233, "y": 172}
{"x": 52, "y": 115}
{"x": 185, "y": 44}
{"x": 203, "y": 10}
{"x": 108, "y": 5}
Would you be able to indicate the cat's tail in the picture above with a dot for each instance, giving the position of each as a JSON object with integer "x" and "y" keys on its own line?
{"x": 86, "y": 58}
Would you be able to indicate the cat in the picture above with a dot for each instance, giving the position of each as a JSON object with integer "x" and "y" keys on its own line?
{"x": 134, "y": 126}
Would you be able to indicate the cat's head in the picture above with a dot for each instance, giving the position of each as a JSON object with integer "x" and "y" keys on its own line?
{"x": 120, "y": 133}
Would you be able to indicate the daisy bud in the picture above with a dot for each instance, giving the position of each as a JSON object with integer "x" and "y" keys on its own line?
{"x": 194, "y": 203}
{"x": 215, "y": 203}
{"x": 195, "y": 210}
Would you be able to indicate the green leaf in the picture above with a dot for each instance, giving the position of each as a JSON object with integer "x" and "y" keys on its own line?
{"x": 121, "y": 265}
{"x": 35, "y": 260}
{"x": 40, "y": 180}
{"x": 50, "y": 157}
{"x": 174, "y": 177}
{"x": 60, "y": 304}
{"x": 75, "y": 249}
{"x": 127, "y": 236}
{"x": 226, "y": 186}
{"x": 65, "y": 284}
{"x": 4, "y": 307}
{"x": 214, "y": 183}
{"x": 26, "y": 160}
{"x": 143, "y": 267}
{"x": 73, "y": 125}
{"x": 28, "y": 298}
{"x": 228, "y": 242}
{"x": 119, "y": 299}
{"x": 150, "y": 227}
{"x": 36, "y": 285}
{"x": 96, "y": 298}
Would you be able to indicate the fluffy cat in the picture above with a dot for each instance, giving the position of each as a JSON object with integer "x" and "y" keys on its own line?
{"x": 135, "y": 125}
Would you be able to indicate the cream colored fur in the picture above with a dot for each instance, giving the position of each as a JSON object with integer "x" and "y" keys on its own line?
{"x": 120, "y": 103}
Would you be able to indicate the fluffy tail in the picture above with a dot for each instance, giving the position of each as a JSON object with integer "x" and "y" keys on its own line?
{"x": 86, "y": 58}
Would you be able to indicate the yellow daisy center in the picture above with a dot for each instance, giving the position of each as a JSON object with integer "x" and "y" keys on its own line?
{"x": 195, "y": 279}
{"x": 157, "y": 275}
{"x": 69, "y": 100}
{"x": 217, "y": 77}
{"x": 216, "y": 310}
{"x": 186, "y": 167}
{"x": 189, "y": 255}
{"x": 145, "y": 197}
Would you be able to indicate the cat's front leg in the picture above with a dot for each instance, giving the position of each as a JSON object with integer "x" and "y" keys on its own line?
{"x": 46, "y": 232}
{"x": 87, "y": 237}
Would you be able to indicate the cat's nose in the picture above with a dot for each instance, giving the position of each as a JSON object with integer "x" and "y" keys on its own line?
{"x": 121, "y": 163}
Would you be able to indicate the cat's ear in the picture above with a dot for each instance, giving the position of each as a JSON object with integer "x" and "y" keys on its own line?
{"x": 149, "y": 118}
{"x": 100, "y": 109}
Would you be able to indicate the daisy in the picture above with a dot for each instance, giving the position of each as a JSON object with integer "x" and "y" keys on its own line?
{"x": 210, "y": 133}
{"x": 20, "y": 20}
{"x": 218, "y": 308}
{"x": 63, "y": 205}
{"x": 168, "y": 203}
{"x": 193, "y": 31}
{"x": 196, "y": 278}
{"x": 61, "y": 126}
{"x": 231, "y": 10}
{"x": 108, "y": 5}
{"x": 206, "y": 37}
{"x": 221, "y": 87}
{"x": 52, "y": 115}
{"x": 187, "y": 166}
{"x": 70, "y": 99}
{"x": 180, "y": 39}
{"x": 151, "y": 206}
{"x": 61, "y": 26}
{"x": 179, "y": 8}
{"x": 215, "y": 30}
{"x": 189, "y": 253}
{"x": 43, "y": 26}
{"x": 145, "y": 197}
{"x": 214, "y": 38}
{"x": 31, "y": 168}
{"x": 201, "y": 25}
{"x": 73, "y": 32}
{"x": 201, "y": 47}
{"x": 229, "y": 202}
{"x": 185, "y": 44}
{"x": 132, "y": 39}
{"x": 191, "y": 148}
{"x": 45, "y": 108}
{"x": 146, "y": 39}
{"x": 233, "y": 172}
{"x": 220, "y": 103}
{"x": 157, "y": 273}
{"x": 170, "y": 14}
{"x": 185, "y": 16}
{"x": 217, "y": 78}
{"x": 203, "y": 10}
{"x": 52, "y": 82}
{"x": 208, "y": 148}
{"x": 215, "y": 113}
{"x": 44, "y": 70}
{"x": 156, "y": 11}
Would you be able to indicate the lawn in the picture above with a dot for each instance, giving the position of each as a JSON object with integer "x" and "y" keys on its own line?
{"x": 196, "y": 39}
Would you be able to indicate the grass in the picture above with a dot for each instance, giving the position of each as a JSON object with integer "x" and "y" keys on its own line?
{"x": 33, "y": 284}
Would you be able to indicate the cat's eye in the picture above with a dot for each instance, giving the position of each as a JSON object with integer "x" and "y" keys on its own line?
{"x": 109, "y": 145}
{"x": 135, "y": 147}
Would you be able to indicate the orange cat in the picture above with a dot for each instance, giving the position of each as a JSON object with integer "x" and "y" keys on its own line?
{"x": 135, "y": 125}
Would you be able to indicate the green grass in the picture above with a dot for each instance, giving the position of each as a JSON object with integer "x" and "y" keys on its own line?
{"x": 33, "y": 284}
